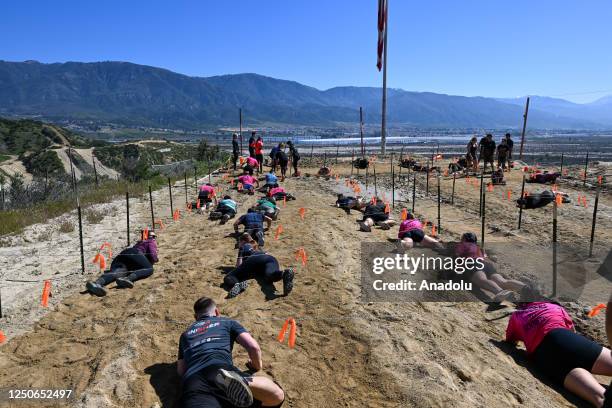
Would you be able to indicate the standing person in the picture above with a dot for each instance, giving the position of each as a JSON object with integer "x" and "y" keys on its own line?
{"x": 510, "y": 144}
{"x": 502, "y": 155}
{"x": 259, "y": 152}
{"x": 235, "y": 149}
{"x": 252, "y": 144}
{"x": 205, "y": 364}
{"x": 567, "y": 357}
{"x": 282, "y": 160}
{"x": 470, "y": 156}
{"x": 487, "y": 151}
{"x": 273, "y": 153}
{"x": 295, "y": 157}
{"x": 130, "y": 265}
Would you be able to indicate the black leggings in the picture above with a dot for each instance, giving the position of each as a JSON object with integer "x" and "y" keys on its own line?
{"x": 257, "y": 265}
{"x": 283, "y": 168}
{"x": 130, "y": 264}
{"x": 259, "y": 158}
{"x": 235, "y": 159}
{"x": 295, "y": 165}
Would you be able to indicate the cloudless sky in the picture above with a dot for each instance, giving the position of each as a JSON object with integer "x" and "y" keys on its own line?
{"x": 499, "y": 48}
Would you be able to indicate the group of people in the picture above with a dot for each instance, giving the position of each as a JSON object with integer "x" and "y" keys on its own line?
{"x": 568, "y": 358}
{"x": 485, "y": 151}
{"x": 278, "y": 155}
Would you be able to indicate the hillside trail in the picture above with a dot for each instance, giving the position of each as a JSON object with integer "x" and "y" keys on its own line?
{"x": 88, "y": 156}
{"x": 13, "y": 166}
{"x": 121, "y": 350}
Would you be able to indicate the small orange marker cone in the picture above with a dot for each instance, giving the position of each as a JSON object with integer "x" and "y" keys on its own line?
{"x": 302, "y": 212}
{"x": 145, "y": 234}
{"x": 599, "y": 180}
{"x": 279, "y": 230}
{"x": 46, "y": 293}
{"x": 160, "y": 223}
{"x": 387, "y": 208}
{"x": 404, "y": 214}
{"x": 595, "y": 311}
{"x": 509, "y": 194}
{"x": 434, "y": 232}
{"x": 108, "y": 247}
{"x": 558, "y": 200}
{"x": 2, "y": 337}
{"x": 289, "y": 324}
{"x": 489, "y": 187}
{"x": 284, "y": 201}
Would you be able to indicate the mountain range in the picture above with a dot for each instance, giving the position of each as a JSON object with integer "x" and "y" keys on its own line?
{"x": 136, "y": 95}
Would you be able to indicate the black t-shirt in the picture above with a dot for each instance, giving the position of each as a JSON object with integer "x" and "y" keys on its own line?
{"x": 235, "y": 147}
{"x": 487, "y": 146}
{"x": 252, "y": 220}
{"x": 208, "y": 342}
{"x": 282, "y": 157}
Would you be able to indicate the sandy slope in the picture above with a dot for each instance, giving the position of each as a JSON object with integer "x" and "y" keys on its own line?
{"x": 120, "y": 350}
{"x": 87, "y": 155}
{"x": 14, "y": 166}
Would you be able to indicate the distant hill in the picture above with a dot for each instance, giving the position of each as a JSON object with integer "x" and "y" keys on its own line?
{"x": 137, "y": 95}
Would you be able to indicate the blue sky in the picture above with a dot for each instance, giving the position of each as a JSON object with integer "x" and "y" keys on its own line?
{"x": 464, "y": 47}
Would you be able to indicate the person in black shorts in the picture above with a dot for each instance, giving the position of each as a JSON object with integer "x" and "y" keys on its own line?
{"x": 132, "y": 264}
{"x": 255, "y": 264}
{"x": 295, "y": 157}
{"x": 205, "y": 364}
{"x": 487, "y": 151}
{"x": 348, "y": 203}
{"x": 374, "y": 214}
{"x": 282, "y": 160}
{"x": 470, "y": 156}
{"x": 566, "y": 357}
{"x": 253, "y": 224}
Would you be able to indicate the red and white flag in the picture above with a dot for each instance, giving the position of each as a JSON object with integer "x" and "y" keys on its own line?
{"x": 382, "y": 29}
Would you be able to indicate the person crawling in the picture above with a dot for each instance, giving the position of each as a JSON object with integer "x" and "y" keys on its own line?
{"x": 374, "y": 214}
{"x": 544, "y": 178}
{"x": 348, "y": 203}
{"x": 279, "y": 194}
{"x": 267, "y": 206}
{"x": 324, "y": 171}
{"x": 497, "y": 177}
{"x": 538, "y": 200}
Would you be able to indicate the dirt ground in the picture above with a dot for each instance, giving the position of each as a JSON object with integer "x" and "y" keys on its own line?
{"x": 120, "y": 351}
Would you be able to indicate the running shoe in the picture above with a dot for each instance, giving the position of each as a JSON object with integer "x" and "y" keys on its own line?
{"x": 288, "y": 276}
{"x": 364, "y": 227}
{"x": 237, "y": 289}
{"x": 235, "y": 388}
{"x": 224, "y": 218}
{"x": 124, "y": 283}
{"x": 383, "y": 225}
{"x": 96, "y": 289}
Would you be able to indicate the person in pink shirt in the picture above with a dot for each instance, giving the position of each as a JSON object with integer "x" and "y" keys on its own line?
{"x": 557, "y": 350}
{"x": 411, "y": 231}
{"x": 248, "y": 182}
{"x": 250, "y": 165}
{"x": 207, "y": 194}
{"x": 487, "y": 278}
{"x": 279, "y": 193}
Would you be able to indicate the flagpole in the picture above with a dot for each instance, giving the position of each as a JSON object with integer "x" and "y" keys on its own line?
{"x": 383, "y": 129}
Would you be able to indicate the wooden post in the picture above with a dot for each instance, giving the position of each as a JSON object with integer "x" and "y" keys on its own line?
{"x": 311, "y": 153}
{"x": 337, "y": 151}
{"x": 413, "y": 191}
{"x": 2, "y": 194}
{"x": 127, "y": 211}
{"x": 586, "y": 166}
{"x": 554, "y": 247}
{"x": 594, "y": 222}
{"x": 210, "y": 169}
{"x": 561, "y": 169}
{"x": 427, "y": 182}
{"x": 521, "y": 208}
{"x": 367, "y": 168}
{"x": 151, "y": 205}
{"x": 483, "y": 220}
{"x": 453, "y": 194}
{"x": 324, "y": 158}
{"x": 524, "y": 129}
{"x": 352, "y": 162}
{"x": 1, "y": 315}
{"x": 93, "y": 160}
{"x": 195, "y": 180}
{"x": 399, "y": 177}
{"x": 170, "y": 191}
